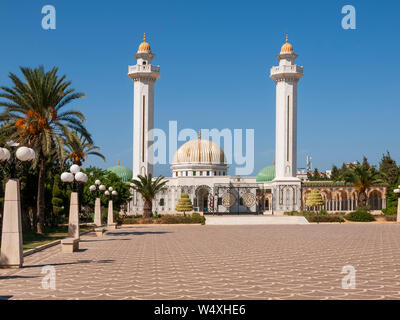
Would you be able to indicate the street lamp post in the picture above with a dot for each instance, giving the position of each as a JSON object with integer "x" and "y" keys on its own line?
{"x": 397, "y": 191}
{"x": 110, "y": 218}
{"x": 11, "y": 239}
{"x": 97, "y": 188}
{"x": 74, "y": 176}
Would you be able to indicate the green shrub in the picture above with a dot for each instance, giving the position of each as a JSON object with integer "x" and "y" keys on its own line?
{"x": 166, "y": 219}
{"x": 390, "y": 211}
{"x": 324, "y": 218}
{"x": 360, "y": 215}
{"x": 323, "y": 212}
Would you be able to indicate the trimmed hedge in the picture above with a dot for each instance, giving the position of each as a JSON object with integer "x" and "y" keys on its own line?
{"x": 322, "y": 216}
{"x": 360, "y": 216}
{"x": 166, "y": 219}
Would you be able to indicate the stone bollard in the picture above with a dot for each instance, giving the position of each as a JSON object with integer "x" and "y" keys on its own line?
{"x": 97, "y": 213}
{"x": 11, "y": 239}
{"x": 73, "y": 222}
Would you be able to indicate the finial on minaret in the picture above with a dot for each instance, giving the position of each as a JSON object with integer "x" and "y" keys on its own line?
{"x": 199, "y": 134}
{"x": 118, "y": 163}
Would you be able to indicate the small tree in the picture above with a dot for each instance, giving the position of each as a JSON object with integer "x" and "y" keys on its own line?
{"x": 58, "y": 198}
{"x": 184, "y": 204}
{"x": 314, "y": 199}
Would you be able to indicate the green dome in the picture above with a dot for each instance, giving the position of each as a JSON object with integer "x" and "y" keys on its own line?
{"x": 124, "y": 173}
{"x": 266, "y": 174}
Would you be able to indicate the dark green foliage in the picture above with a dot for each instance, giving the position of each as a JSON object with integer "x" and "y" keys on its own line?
{"x": 360, "y": 215}
{"x": 59, "y": 199}
{"x": 195, "y": 218}
{"x": 322, "y": 216}
{"x": 391, "y": 211}
{"x": 109, "y": 179}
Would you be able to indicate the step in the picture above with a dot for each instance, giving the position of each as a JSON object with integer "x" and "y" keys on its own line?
{"x": 254, "y": 220}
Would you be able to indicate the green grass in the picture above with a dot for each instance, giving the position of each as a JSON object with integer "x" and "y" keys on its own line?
{"x": 32, "y": 240}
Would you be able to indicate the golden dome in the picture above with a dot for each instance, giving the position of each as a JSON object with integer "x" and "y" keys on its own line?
{"x": 199, "y": 151}
{"x": 287, "y": 47}
{"x": 144, "y": 47}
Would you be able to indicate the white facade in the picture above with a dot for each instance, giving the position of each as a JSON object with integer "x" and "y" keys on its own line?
{"x": 199, "y": 167}
{"x": 144, "y": 75}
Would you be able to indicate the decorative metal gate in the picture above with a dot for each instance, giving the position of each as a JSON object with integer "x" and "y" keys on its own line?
{"x": 237, "y": 198}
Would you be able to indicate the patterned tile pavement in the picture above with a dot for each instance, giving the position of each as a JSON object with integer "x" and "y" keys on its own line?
{"x": 218, "y": 262}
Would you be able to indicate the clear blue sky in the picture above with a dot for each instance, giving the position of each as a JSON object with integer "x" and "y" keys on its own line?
{"x": 215, "y": 57}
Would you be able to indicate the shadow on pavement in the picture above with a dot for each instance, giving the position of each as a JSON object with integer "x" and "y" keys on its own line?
{"x": 135, "y": 233}
{"x": 103, "y": 240}
{"x": 16, "y": 277}
{"x": 5, "y": 297}
{"x": 68, "y": 263}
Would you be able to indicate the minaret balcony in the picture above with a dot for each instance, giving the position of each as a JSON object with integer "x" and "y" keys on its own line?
{"x": 144, "y": 71}
{"x": 286, "y": 69}
{"x": 144, "y": 68}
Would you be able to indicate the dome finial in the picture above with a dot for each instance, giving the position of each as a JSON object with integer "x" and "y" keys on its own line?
{"x": 287, "y": 37}
{"x": 118, "y": 163}
{"x": 144, "y": 36}
{"x": 199, "y": 134}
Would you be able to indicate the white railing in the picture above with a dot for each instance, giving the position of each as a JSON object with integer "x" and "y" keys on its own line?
{"x": 144, "y": 68}
{"x": 283, "y": 69}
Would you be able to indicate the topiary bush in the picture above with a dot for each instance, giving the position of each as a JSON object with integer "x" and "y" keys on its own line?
{"x": 360, "y": 216}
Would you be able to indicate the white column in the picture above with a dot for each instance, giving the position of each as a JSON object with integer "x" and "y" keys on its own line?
{"x": 110, "y": 216}
{"x": 97, "y": 213}
{"x": 11, "y": 238}
{"x": 398, "y": 210}
{"x": 73, "y": 220}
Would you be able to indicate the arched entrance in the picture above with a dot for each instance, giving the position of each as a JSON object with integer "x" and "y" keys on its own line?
{"x": 203, "y": 198}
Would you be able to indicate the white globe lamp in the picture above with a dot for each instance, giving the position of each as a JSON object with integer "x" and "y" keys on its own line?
{"x": 75, "y": 168}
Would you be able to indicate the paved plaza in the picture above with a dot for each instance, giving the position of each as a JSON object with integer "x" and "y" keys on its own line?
{"x": 218, "y": 262}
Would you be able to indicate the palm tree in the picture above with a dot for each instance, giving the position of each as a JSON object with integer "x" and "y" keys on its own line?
{"x": 78, "y": 149}
{"x": 34, "y": 116}
{"x": 148, "y": 189}
{"x": 362, "y": 176}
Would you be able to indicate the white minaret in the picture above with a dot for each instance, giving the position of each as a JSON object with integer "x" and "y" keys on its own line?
{"x": 286, "y": 184}
{"x": 144, "y": 76}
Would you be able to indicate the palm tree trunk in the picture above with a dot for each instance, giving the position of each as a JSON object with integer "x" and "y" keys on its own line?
{"x": 147, "y": 209}
{"x": 362, "y": 199}
{"x": 40, "y": 205}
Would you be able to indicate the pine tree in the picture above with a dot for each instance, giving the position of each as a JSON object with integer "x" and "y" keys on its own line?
{"x": 335, "y": 174}
{"x": 389, "y": 170}
{"x": 184, "y": 204}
